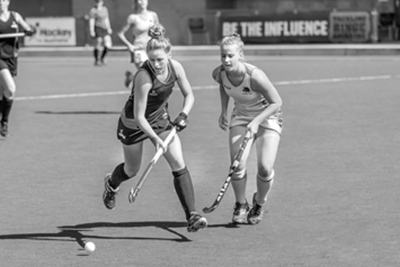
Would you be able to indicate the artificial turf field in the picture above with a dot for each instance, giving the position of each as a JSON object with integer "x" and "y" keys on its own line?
{"x": 335, "y": 200}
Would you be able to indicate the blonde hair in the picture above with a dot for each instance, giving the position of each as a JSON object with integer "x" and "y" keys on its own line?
{"x": 158, "y": 41}
{"x": 233, "y": 39}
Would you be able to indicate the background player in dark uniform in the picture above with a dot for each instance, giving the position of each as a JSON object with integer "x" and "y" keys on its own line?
{"x": 100, "y": 28}
{"x": 145, "y": 115}
{"x": 10, "y": 22}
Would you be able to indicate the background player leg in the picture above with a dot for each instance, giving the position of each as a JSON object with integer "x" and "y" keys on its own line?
{"x": 96, "y": 51}
{"x": 8, "y": 89}
{"x": 106, "y": 46}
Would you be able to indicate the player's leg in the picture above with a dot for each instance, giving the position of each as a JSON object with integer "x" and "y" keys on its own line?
{"x": 183, "y": 184}
{"x": 267, "y": 143}
{"x": 8, "y": 89}
{"x": 239, "y": 177}
{"x": 138, "y": 58}
{"x": 97, "y": 49}
{"x": 124, "y": 171}
{"x": 107, "y": 43}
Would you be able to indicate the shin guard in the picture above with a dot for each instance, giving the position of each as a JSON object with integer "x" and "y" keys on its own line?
{"x": 184, "y": 189}
{"x": 6, "y": 105}
{"x": 118, "y": 176}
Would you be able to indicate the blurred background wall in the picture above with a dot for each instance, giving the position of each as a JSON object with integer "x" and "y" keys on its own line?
{"x": 194, "y": 21}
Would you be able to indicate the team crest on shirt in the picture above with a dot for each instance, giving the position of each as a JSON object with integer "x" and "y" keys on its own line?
{"x": 153, "y": 93}
{"x": 246, "y": 91}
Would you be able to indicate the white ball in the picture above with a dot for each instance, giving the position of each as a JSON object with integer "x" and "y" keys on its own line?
{"x": 90, "y": 246}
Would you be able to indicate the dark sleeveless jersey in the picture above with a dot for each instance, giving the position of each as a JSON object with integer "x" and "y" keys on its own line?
{"x": 158, "y": 96}
{"x": 9, "y": 46}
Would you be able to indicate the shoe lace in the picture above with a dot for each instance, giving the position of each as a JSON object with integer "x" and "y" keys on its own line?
{"x": 110, "y": 191}
{"x": 258, "y": 210}
{"x": 239, "y": 207}
{"x": 194, "y": 217}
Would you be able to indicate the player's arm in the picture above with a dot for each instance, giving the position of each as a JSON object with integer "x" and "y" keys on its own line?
{"x": 185, "y": 87}
{"x": 262, "y": 84}
{"x": 108, "y": 24}
{"x": 156, "y": 20}
{"x": 91, "y": 24}
{"x": 188, "y": 97}
{"x": 21, "y": 22}
{"x": 142, "y": 88}
{"x": 224, "y": 98}
{"x": 130, "y": 22}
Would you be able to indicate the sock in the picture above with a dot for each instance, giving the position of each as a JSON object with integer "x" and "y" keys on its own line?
{"x": 118, "y": 176}
{"x": 184, "y": 190}
{"x": 103, "y": 55}
{"x": 264, "y": 185}
{"x": 239, "y": 187}
{"x": 6, "y": 105}
{"x": 96, "y": 54}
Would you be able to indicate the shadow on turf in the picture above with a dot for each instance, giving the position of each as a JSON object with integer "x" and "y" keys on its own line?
{"x": 77, "y": 112}
{"x": 80, "y": 232}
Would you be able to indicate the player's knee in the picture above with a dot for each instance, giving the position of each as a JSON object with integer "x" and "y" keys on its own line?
{"x": 108, "y": 44}
{"x": 130, "y": 171}
{"x": 266, "y": 176}
{"x": 239, "y": 174}
{"x": 9, "y": 92}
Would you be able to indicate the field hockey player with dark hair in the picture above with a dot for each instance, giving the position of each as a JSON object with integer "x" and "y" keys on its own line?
{"x": 257, "y": 110}
{"x": 10, "y": 23}
{"x": 145, "y": 116}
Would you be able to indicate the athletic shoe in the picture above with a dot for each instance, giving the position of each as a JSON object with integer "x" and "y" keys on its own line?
{"x": 240, "y": 211}
{"x": 196, "y": 222}
{"x": 109, "y": 193}
{"x": 128, "y": 79}
{"x": 256, "y": 212}
{"x": 4, "y": 129}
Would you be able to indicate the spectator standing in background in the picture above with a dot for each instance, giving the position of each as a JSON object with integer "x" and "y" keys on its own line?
{"x": 138, "y": 23}
{"x": 100, "y": 29}
{"x": 10, "y": 22}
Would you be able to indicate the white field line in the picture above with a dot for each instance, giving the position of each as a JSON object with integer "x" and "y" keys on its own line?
{"x": 209, "y": 87}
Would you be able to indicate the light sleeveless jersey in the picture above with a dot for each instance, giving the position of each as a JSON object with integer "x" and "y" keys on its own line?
{"x": 9, "y": 46}
{"x": 157, "y": 99}
{"x": 140, "y": 31}
{"x": 99, "y": 16}
{"x": 248, "y": 103}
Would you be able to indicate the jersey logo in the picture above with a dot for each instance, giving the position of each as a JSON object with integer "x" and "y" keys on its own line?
{"x": 153, "y": 93}
{"x": 246, "y": 91}
{"x": 121, "y": 134}
{"x": 227, "y": 87}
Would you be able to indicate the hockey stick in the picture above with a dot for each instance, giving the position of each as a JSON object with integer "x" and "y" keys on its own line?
{"x": 135, "y": 191}
{"x": 12, "y": 35}
{"x": 234, "y": 165}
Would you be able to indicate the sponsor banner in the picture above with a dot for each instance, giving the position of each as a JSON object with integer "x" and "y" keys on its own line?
{"x": 278, "y": 28}
{"x": 352, "y": 27}
{"x": 52, "y": 32}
